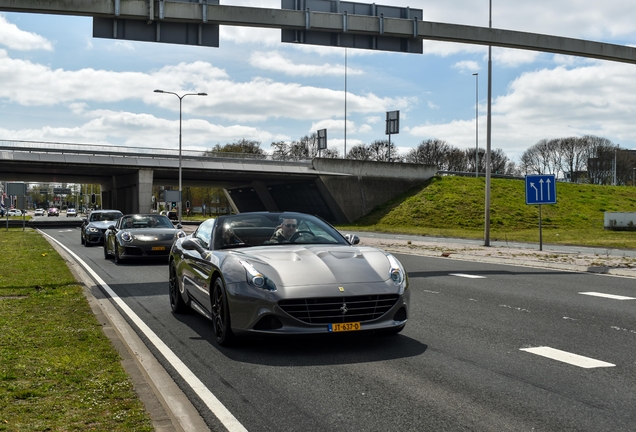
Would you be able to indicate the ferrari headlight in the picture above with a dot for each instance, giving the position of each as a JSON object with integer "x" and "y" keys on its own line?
{"x": 256, "y": 278}
{"x": 179, "y": 234}
{"x": 397, "y": 273}
{"x": 126, "y": 236}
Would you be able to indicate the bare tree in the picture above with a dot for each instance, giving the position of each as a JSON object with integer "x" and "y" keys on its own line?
{"x": 430, "y": 152}
{"x": 573, "y": 151}
{"x": 240, "y": 146}
{"x": 456, "y": 160}
{"x": 359, "y": 152}
{"x": 600, "y": 159}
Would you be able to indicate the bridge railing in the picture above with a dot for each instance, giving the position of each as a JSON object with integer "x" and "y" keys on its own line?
{"x": 149, "y": 152}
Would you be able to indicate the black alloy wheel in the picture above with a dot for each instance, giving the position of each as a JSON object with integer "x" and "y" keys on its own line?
{"x": 177, "y": 304}
{"x": 118, "y": 258}
{"x": 221, "y": 322}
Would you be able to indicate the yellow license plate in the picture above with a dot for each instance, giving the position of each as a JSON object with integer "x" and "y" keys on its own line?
{"x": 343, "y": 327}
{"x": 158, "y": 248}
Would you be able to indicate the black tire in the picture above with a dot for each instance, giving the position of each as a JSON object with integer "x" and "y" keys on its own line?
{"x": 106, "y": 256}
{"x": 118, "y": 258}
{"x": 177, "y": 304}
{"x": 221, "y": 322}
{"x": 82, "y": 238}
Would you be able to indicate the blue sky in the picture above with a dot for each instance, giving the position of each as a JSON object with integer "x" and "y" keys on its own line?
{"x": 58, "y": 84}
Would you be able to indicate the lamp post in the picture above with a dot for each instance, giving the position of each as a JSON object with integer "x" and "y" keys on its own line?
{"x": 180, "y": 116}
{"x": 476, "y": 75}
{"x": 488, "y": 137}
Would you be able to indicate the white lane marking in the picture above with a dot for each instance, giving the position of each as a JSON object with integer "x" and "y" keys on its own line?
{"x": 610, "y": 296}
{"x": 467, "y": 276}
{"x": 566, "y": 357}
{"x": 219, "y": 410}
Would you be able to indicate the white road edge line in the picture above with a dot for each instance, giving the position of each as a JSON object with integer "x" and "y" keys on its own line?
{"x": 217, "y": 408}
{"x": 610, "y": 296}
{"x": 467, "y": 276}
{"x": 567, "y": 357}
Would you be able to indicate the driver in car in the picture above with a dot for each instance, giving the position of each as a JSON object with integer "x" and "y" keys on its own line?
{"x": 285, "y": 231}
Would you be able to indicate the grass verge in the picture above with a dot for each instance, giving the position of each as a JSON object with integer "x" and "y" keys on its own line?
{"x": 58, "y": 371}
{"x": 452, "y": 206}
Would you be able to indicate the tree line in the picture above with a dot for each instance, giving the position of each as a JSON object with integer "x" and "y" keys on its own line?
{"x": 587, "y": 159}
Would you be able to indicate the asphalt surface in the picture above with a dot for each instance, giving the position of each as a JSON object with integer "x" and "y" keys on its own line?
{"x": 169, "y": 408}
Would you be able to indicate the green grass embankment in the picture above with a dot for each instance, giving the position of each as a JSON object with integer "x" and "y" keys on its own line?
{"x": 453, "y": 206}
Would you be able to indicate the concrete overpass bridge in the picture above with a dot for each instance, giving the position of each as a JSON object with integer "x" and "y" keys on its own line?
{"x": 339, "y": 190}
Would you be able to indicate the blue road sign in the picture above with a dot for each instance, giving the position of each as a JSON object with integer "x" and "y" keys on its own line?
{"x": 540, "y": 189}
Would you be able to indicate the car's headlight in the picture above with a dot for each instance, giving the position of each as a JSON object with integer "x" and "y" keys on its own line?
{"x": 180, "y": 234}
{"x": 256, "y": 278}
{"x": 126, "y": 236}
{"x": 397, "y": 273}
{"x": 92, "y": 229}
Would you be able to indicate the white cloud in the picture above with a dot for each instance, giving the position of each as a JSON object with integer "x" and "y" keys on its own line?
{"x": 14, "y": 38}
{"x": 335, "y": 125}
{"x": 469, "y": 66}
{"x": 277, "y": 62}
{"x": 513, "y": 57}
{"x": 596, "y": 99}
{"x": 121, "y": 45}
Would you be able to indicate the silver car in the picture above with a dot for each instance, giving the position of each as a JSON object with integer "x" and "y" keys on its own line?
{"x": 285, "y": 274}
{"x": 96, "y": 224}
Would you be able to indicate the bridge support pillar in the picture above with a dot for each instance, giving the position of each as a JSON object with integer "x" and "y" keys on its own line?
{"x": 131, "y": 193}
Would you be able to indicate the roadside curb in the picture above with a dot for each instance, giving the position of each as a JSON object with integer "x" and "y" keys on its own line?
{"x": 622, "y": 272}
{"x": 169, "y": 408}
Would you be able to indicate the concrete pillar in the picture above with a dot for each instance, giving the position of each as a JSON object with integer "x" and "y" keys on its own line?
{"x": 131, "y": 193}
{"x": 144, "y": 191}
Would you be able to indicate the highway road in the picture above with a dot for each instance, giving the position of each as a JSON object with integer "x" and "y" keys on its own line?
{"x": 487, "y": 348}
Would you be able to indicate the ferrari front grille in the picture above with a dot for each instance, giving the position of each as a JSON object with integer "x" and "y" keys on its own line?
{"x": 325, "y": 310}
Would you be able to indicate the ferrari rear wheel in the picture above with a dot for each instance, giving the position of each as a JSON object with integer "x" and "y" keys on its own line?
{"x": 177, "y": 304}
{"x": 221, "y": 322}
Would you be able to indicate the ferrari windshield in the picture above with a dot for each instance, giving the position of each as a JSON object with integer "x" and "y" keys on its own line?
{"x": 264, "y": 229}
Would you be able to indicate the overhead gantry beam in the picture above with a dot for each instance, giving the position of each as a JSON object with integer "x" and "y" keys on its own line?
{"x": 149, "y": 10}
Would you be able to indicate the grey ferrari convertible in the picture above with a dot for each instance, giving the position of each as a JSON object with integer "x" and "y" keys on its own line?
{"x": 285, "y": 274}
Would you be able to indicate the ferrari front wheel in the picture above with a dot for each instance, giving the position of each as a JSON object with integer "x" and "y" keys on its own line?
{"x": 221, "y": 322}
{"x": 177, "y": 304}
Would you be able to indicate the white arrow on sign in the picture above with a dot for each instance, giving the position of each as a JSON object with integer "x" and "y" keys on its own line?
{"x": 536, "y": 191}
{"x": 541, "y": 181}
{"x": 548, "y": 182}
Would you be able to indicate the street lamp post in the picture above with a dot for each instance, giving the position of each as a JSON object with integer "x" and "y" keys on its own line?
{"x": 488, "y": 137}
{"x": 476, "y": 75}
{"x": 180, "y": 117}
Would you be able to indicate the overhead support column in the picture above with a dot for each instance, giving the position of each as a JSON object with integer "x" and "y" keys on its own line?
{"x": 131, "y": 193}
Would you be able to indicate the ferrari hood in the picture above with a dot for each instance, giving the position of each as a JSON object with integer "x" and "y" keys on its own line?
{"x": 320, "y": 264}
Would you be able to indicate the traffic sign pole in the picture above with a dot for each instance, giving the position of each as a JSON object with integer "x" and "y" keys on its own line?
{"x": 540, "y": 231}
{"x": 540, "y": 189}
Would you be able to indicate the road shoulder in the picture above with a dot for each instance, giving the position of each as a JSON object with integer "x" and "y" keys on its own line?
{"x": 169, "y": 408}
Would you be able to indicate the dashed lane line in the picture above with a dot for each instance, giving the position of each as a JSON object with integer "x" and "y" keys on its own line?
{"x": 567, "y": 357}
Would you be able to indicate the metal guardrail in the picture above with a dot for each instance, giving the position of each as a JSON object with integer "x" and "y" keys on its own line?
{"x": 147, "y": 152}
